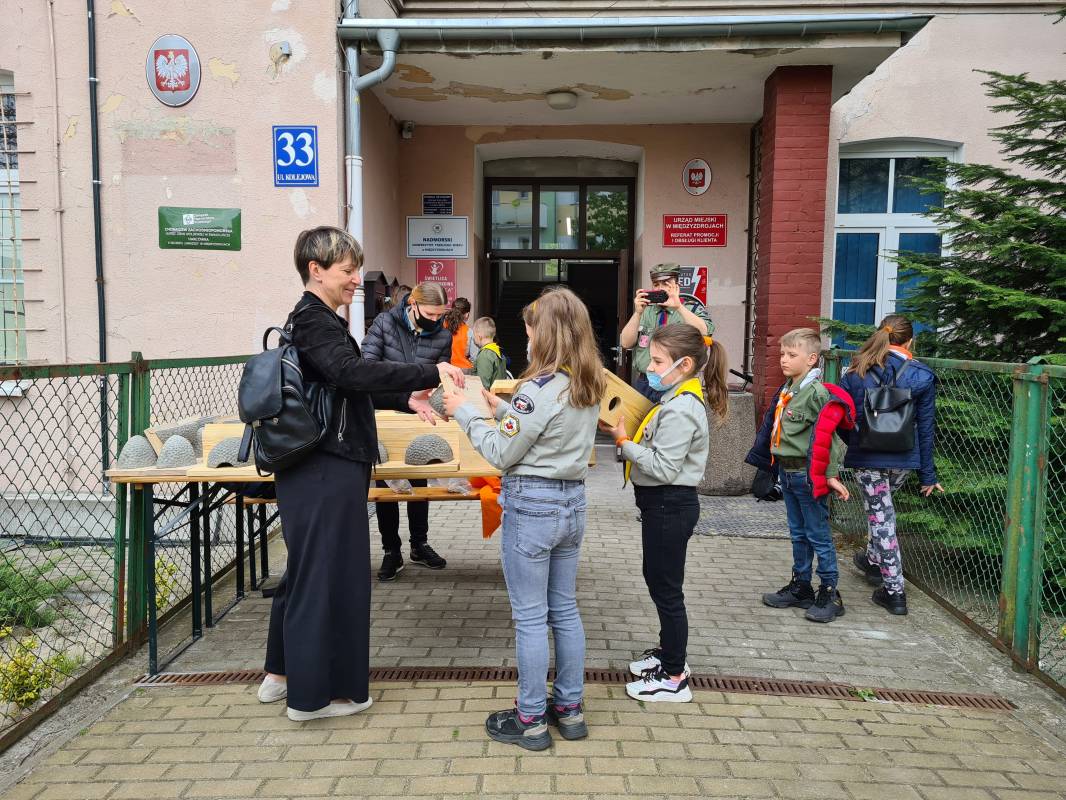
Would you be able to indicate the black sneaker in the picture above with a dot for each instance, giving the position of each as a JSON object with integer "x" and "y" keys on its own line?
{"x": 426, "y": 556}
{"x": 508, "y": 727}
{"x": 570, "y": 720}
{"x": 893, "y": 603}
{"x": 871, "y": 572}
{"x": 828, "y": 605}
{"x": 391, "y": 566}
{"x": 797, "y": 594}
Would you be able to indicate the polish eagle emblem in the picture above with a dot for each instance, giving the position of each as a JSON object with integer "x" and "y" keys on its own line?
{"x": 172, "y": 70}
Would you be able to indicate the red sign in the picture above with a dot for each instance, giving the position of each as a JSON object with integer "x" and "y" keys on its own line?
{"x": 437, "y": 270}
{"x": 172, "y": 70}
{"x": 697, "y": 177}
{"x": 693, "y": 281}
{"x": 694, "y": 230}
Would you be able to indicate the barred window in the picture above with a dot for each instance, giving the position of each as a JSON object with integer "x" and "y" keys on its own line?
{"x": 12, "y": 305}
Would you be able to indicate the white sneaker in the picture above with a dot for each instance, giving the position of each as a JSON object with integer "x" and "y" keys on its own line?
{"x": 271, "y": 690}
{"x": 657, "y": 687}
{"x": 334, "y": 709}
{"x": 649, "y": 659}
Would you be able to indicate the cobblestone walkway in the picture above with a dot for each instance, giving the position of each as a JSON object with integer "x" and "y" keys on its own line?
{"x": 428, "y": 739}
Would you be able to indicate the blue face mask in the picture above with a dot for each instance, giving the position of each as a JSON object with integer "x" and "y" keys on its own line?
{"x": 655, "y": 379}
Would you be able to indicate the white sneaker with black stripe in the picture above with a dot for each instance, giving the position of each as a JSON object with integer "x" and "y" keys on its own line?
{"x": 655, "y": 686}
{"x": 651, "y": 659}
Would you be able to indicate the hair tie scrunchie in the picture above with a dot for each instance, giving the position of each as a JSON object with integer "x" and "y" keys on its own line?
{"x": 887, "y": 329}
{"x": 708, "y": 340}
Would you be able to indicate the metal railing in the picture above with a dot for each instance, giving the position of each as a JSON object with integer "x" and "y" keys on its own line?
{"x": 992, "y": 549}
{"x": 72, "y": 571}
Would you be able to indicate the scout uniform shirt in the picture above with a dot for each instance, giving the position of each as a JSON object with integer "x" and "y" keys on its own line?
{"x": 674, "y": 444}
{"x": 653, "y": 317}
{"x": 539, "y": 433}
{"x": 489, "y": 365}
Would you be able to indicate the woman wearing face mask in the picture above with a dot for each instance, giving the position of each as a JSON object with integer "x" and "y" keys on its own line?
{"x": 413, "y": 333}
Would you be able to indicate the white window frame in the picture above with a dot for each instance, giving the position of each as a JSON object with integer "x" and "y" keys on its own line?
{"x": 887, "y": 224}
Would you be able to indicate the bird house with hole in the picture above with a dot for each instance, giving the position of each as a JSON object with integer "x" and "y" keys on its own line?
{"x": 621, "y": 398}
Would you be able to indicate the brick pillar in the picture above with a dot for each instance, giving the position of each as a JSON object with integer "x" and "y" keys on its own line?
{"x": 791, "y": 237}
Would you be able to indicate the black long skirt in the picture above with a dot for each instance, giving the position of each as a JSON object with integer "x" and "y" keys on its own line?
{"x": 319, "y": 635}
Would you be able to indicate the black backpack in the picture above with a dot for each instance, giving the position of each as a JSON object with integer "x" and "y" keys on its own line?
{"x": 888, "y": 417}
{"x": 286, "y": 418}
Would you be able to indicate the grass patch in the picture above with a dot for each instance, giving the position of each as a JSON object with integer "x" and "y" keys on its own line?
{"x": 23, "y": 594}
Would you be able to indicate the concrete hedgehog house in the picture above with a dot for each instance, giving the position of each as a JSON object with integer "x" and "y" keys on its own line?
{"x": 427, "y": 449}
{"x": 177, "y": 452}
{"x": 225, "y": 454}
{"x": 436, "y": 401}
{"x": 137, "y": 453}
{"x": 383, "y": 454}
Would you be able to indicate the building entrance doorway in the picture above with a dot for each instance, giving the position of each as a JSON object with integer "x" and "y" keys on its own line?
{"x": 574, "y": 232}
{"x": 517, "y": 282}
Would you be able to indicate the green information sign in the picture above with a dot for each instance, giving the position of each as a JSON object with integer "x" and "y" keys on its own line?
{"x": 199, "y": 228}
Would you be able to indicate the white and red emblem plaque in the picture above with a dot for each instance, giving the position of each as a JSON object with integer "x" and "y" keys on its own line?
{"x": 173, "y": 70}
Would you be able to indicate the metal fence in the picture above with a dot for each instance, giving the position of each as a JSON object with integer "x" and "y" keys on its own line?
{"x": 72, "y": 582}
{"x": 992, "y": 548}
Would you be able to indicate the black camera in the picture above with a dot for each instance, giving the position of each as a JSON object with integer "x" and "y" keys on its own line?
{"x": 656, "y": 296}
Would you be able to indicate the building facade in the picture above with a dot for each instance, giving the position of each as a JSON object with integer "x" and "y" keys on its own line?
{"x": 505, "y": 147}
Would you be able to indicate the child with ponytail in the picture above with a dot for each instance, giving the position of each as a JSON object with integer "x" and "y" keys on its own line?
{"x": 885, "y": 359}
{"x": 666, "y": 460}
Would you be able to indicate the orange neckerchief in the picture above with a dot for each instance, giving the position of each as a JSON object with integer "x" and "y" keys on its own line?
{"x": 491, "y": 513}
{"x": 903, "y": 351}
{"x": 782, "y": 403}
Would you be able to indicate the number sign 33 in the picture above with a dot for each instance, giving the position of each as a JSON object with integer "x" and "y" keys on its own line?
{"x": 296, "y": 155}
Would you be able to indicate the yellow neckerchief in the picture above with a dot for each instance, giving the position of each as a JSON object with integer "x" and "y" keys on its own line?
{"x": 691, "y": 386}
{"x": 492, "y": 347}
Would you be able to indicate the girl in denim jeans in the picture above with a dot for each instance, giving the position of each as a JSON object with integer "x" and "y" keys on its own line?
{"x": 667, "y": 458}
{"x": 541, "y": 441}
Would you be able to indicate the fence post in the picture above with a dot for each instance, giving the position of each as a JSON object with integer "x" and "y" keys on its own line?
{"x": 831, "y": 373}
{"x": 118, "y": 589}
{"x": 137, "y": 581}
{"x": 1019, "y": 599}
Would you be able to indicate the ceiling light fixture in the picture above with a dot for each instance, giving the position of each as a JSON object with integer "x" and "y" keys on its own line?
{"x": 562, "y": 100}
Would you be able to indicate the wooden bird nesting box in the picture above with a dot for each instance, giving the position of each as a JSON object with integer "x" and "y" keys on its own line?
{"x": 621, "y": 398}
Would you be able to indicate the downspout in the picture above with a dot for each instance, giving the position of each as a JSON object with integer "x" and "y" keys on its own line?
{"x": 389, "y": 40}
{"x": 94, "y": 135}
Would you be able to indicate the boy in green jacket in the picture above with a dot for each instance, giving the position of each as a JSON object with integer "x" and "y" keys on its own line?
{"x": 489, "y": 364}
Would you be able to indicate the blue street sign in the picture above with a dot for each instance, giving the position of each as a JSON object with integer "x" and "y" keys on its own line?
{"x": 296, "y": 155}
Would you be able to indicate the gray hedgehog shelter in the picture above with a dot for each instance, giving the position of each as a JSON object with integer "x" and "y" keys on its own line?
{"x": 225, "y": 454}
{"x": 428, "y": 449}
{"x": 177, "y": 452}
{"x": 137, "y": 453}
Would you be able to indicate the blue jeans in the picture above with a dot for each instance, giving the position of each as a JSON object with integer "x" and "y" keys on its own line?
{"x": 808, "y": 524}
{"x": 543, "y": 524}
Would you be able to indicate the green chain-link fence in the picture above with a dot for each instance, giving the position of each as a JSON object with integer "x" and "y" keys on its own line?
{"x": 70, "y": 601}
{"x": 992, "y": 548}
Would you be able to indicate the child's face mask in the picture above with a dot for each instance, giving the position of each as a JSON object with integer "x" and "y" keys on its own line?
{"x": 655, "y": 379}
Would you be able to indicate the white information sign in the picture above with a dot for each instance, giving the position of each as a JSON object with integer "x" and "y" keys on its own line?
{"x": 437, "y": 237}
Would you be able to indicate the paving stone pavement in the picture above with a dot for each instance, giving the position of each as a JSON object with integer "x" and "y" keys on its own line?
{"x": 428, "y": 739}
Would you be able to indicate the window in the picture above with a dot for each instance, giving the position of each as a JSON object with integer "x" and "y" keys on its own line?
{"x": 881, "y": 210}
{"x": 12, "y": 306}
{"x": 574, "y": 215}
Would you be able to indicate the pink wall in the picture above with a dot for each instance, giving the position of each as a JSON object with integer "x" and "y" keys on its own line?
{"x": 382, "y": 221}
{"x": 444, "y": 159}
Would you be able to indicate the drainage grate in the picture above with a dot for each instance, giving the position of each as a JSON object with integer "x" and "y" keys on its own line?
{"x": 721, "y": 683}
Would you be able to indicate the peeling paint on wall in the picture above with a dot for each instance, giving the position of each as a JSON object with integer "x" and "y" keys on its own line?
{"x": 604, "y": 92}
{"x": 72, "y": 128}
{"x": 476, "y": 133}
{"x": 172, "y": 128}
{"x": 413, "y": 74}
{"x": 120, "y": 9}
{"x": 112, "y": 103}
{"x": 493, "y": 94}
{"x": 325, "y": 86}
{"x": 296, "y": 43}
{"x": 301, "y": 206}
{"x": 224, "y": 69}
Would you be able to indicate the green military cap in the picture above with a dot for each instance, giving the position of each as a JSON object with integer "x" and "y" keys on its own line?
{"x": 660, "y": 271}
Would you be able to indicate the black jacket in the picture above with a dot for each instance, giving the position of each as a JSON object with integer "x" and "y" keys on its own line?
{"x": 328, "y": 354}
{"x": 390, "y": 338}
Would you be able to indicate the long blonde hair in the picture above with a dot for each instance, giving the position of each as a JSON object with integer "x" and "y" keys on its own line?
{"x": 562, "y": 341}
{"x": 894, "y": 329}
{"x": 709, "y": 357}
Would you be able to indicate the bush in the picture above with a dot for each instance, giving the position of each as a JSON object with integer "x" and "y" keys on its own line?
{"x": 22, "y": 595}
{"x": 165, "y": 582}
{"x": 25, "y": 675}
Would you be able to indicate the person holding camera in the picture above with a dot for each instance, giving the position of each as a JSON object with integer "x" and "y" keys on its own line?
{"x": 656, "y": 308}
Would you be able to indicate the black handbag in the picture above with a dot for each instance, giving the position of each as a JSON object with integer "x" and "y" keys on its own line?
{"x": 284, "y": 418}
{"x": 888, "y": 417}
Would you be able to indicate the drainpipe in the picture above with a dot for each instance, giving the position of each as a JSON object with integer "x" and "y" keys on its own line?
{"x": 101, "y": 309}
{"x": 389, "y": 41}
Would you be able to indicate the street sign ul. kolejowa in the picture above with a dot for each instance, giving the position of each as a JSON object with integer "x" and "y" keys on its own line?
{"x": 199, "y": 228}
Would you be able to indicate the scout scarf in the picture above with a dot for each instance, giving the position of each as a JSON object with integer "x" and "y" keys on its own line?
{"x": 691, "y": 386}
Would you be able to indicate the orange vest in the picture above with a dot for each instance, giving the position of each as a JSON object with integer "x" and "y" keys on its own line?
{"x": 459, "y": 346}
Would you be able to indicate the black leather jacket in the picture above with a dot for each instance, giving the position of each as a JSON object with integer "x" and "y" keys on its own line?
{"x": 329, "y": 354}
